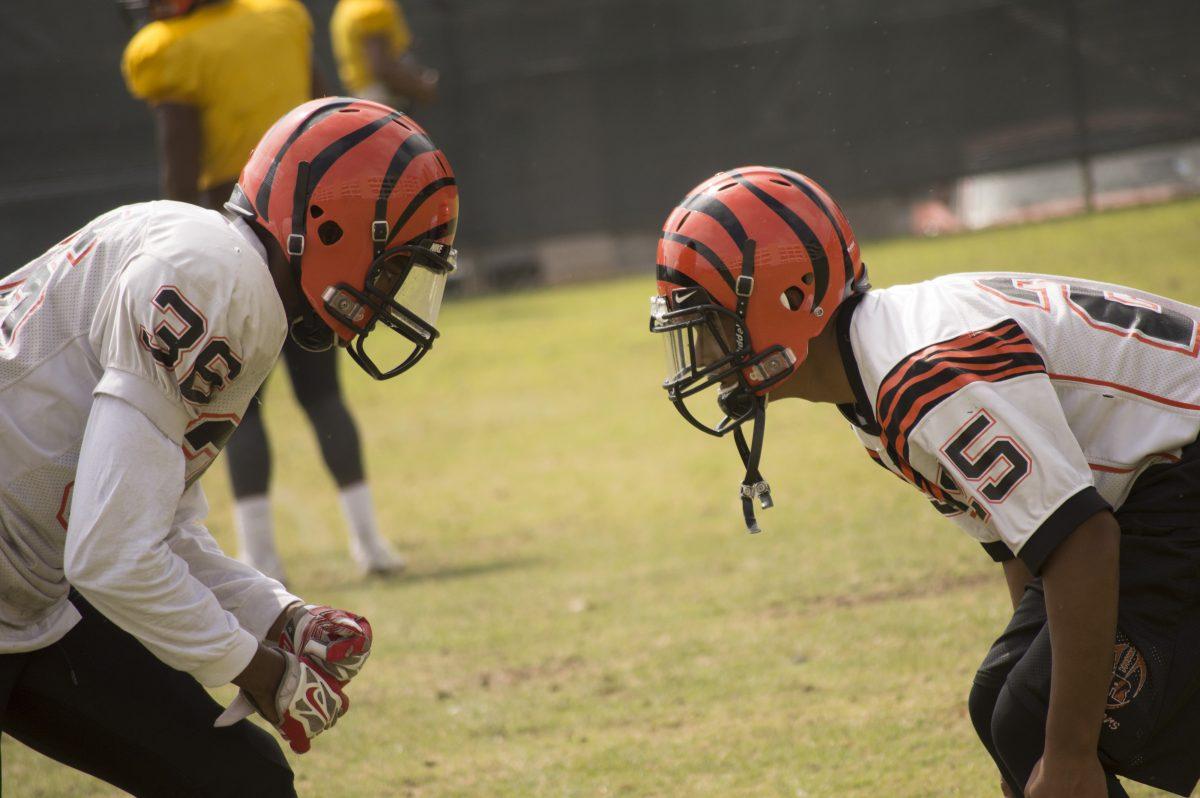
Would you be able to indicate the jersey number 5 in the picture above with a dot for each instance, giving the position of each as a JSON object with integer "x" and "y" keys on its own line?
{"x": 995, "y": 460}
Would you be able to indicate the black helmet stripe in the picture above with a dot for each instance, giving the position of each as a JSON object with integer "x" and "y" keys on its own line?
{"x": 262, "y": 200}
{"x": 709, "y": 205}
{"x": 416, "y": 202}
{"x": 327, "y": 157}
{"x": 669, "y": 275}
{"x": 847, "y": 261}
{"x": 812, "y": 244}
{"x": 412, "y": 146}
{"x": 705, "y": 252}
{"x": 442, "y": 230}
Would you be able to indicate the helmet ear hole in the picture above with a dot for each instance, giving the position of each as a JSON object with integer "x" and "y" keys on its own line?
{"x": 792, "y": 298}
{"x": 329, "y": 232}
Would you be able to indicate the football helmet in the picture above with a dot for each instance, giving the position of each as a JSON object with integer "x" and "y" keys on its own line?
{"x": 365, "y": 208}
{"x": 138, "y": 13}
{"x": 752, "y": 265}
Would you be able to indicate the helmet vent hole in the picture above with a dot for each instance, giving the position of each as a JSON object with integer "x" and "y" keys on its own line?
{"x": 779, "y": 182}
{"x": 316, "y": 211}
{"x": 807, "y": 279}
{"x": 681, "y": 221}
{"x": 730, "y": 184}
{"x": 348, "y": 111}
{"x": 329, "y": 232}
{"x": 793, "y": 298}
{"x": 399, "y": 121}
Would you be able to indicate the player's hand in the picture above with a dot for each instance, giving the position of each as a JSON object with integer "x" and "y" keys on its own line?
{"x": 1067, "y": 777}
{"x": 336, "y": 641}
{"x": 301, "y": 700}
{"x": 308, "y": 703}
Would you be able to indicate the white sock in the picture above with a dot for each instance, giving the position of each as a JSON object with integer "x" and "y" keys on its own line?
{"x": 369, "y": 549}
{"x": 256, "y": 535}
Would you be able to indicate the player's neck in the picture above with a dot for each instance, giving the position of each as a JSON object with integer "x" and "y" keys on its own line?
{"x": 281, "y": 273}
{"x": 822, "y": 375}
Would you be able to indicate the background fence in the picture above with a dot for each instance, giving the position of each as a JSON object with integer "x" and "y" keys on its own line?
{"x": 580, "y": 117}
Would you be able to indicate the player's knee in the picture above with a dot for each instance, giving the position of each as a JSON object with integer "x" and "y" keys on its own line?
{"x": 255, "y": 766}
{"x": 981, "y": 705}
{"x": 1017, "y": 735}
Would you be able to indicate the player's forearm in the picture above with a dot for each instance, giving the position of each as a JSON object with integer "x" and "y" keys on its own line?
{"x": 127, "y": 486}
{"x": 255, "y": 600}
{"x": 1081, "y": 584}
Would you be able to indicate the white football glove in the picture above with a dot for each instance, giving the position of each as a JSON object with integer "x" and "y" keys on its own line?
{"x": 307, "y": 703}
{"x": 336, "y": 641}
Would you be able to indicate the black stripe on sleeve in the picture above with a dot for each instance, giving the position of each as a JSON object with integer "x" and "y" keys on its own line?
{"x": 1061, "y": 523}
{"x": 999, "y": 551}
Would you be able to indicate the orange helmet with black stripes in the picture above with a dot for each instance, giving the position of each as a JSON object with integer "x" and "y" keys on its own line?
{"x": 752, "y": 265}
{"x": 364, "y": 206}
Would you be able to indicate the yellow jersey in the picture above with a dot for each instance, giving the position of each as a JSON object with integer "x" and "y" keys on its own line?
{"x": 242, "y": 63}
{"x": 356, "y": 20}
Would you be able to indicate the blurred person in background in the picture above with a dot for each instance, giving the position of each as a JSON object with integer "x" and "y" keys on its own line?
{"x": 371, "y": 41}
{"x": 217, "y": 74}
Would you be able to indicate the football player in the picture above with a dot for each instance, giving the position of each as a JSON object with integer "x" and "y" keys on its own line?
{"x": 1053, "y": 419}
{"x": 191, "y": 65}
{"x": 371, "y": 41}
{"x": 128, "y": 354}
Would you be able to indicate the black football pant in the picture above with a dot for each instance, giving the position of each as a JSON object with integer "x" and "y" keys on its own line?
{"x": 1151, "y": 729}
{"x": 99, "y": 702}
{"x": 315, "y": 382}
{"x": 1012, "y": 728}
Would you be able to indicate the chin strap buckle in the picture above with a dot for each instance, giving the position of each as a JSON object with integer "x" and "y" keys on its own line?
{"x": 759, "y": 490}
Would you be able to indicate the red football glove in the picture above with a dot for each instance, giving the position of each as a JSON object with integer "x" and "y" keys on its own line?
{"x": 307, "y": 702}
{"x": 336, "y": 641}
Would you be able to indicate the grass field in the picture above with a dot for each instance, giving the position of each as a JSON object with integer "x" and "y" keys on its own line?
{"x": 585, "y": 616}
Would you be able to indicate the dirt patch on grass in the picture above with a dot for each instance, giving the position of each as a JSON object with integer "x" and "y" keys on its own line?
{"x": 925, "y": 589}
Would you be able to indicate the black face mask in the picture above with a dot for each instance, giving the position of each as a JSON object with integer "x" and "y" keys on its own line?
{"x": 403, "y": 292}
{"x": 709, "y": 350}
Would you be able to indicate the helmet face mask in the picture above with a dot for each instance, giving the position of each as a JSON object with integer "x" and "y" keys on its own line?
{"x": 403, "y": 292}
{"x": 711, "y": 363}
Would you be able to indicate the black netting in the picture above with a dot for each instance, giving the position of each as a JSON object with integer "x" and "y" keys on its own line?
{"x": 595, "y": 115}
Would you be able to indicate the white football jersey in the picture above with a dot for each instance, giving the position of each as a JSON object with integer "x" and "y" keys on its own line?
{"x": 164, "y": 305}
{"x": 1021, "y": 404}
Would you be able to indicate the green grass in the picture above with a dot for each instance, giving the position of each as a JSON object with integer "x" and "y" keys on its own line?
{"x": 584, "y": 615}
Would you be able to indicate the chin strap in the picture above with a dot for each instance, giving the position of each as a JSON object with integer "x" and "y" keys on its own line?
{"x": 753, "y": 485}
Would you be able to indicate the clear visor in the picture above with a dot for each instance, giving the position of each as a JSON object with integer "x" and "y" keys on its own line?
{"x": 697, "y": 342}
{"x": 420, "y": 291}
{"x": 403, "y": 293}
{"x": 702, "y": 361}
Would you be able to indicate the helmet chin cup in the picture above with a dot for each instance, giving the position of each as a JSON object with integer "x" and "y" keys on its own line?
{"x": 310, "y": 333}
{"x": 736, "y": 401}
